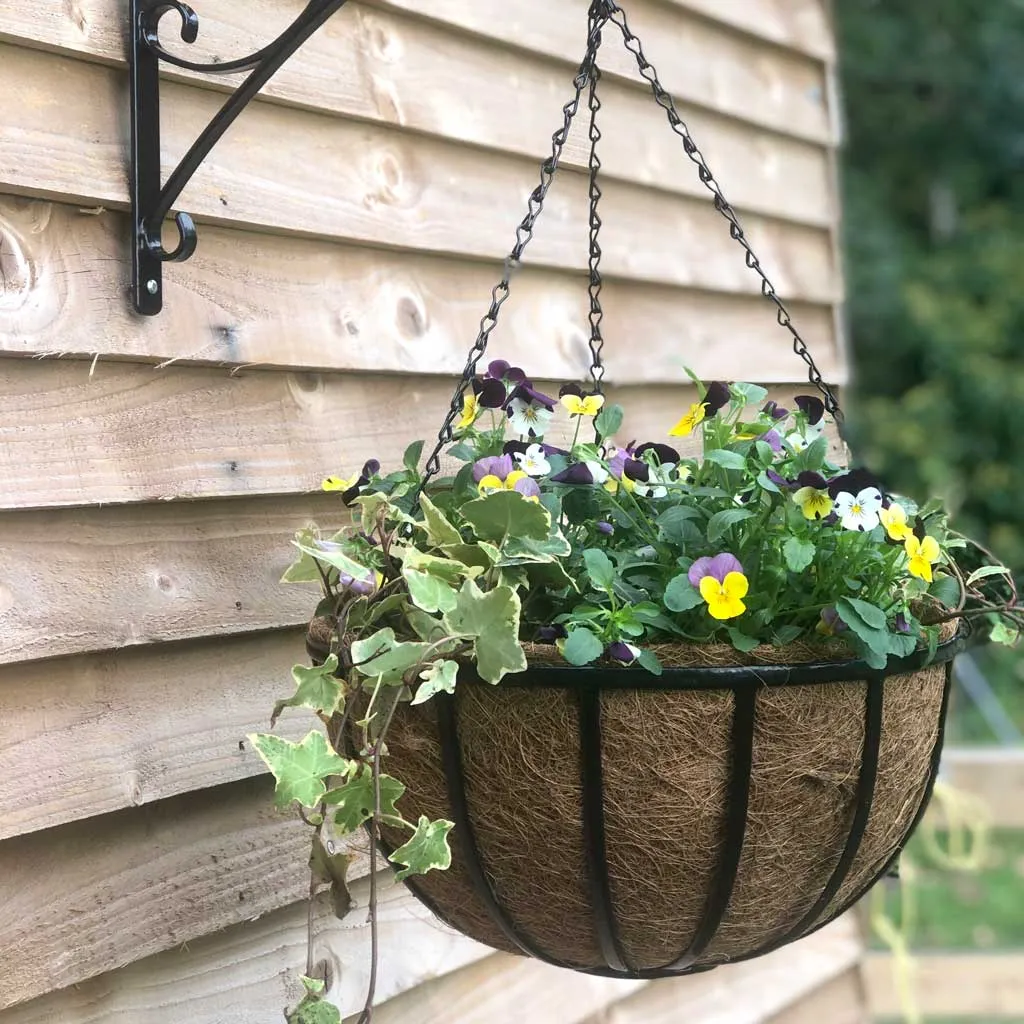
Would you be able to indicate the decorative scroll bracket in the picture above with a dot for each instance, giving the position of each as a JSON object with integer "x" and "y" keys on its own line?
{"x": 151, "y": 203}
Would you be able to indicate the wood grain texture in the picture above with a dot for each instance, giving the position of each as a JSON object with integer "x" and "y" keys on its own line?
{"x": 248, "y": 973}
{"x": 302, "y": 303}
{"x": 84, "y": 736}
{"x": 840, "y": 1001}
{"x": 993, "y": 775}
{"x": 123, "y": 433}
{"x": 382, "y": 63}
{"x": 975, "y": 986}
{"x": 91, "y": 896}
{"x": 296, "y": 172}
{"x": 746, "y": 993}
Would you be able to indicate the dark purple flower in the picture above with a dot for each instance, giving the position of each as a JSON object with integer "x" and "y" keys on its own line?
{"x": 718, "y": 397}
{"x": 570, "y": 389}
{"x": 619, "y": 651}
{"x": 831, "y": 624}
{"x": 490, "y": 393}
{"x": 370, "y": 469}
{"x": 549, "y": 634}
{"x": 718, "y": 567}
{"x": 634, "y": 469}
{"x": 775, "y": 411}
{"x": 492, "y": 465}
{"x": 526, "y": 392}
{"x": 779, "y": 480}
{"x": 665, "y": 453}
{"x": 502, "y": 371}
{"x": 812, "y": 407}
{"x": 853, "y": 481}
{"x": 808, "y": 478}
{"x": 605, "y": 527}
{"x": 527, "y": 487}
{"x": 902, "y": 626}
{"x": 773, "y": 440}
{"x": 581, "y": 473}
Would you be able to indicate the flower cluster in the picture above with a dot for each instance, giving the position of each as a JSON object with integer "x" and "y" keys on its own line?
{"x": 746, "y": 533}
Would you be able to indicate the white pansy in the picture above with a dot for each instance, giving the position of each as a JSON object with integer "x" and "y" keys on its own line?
{"x": 597, "y": 471}
{"x": 860, "y": 511}
{"x": 528, "y": 416}
{"x": 532, "y": 462}
{"x": 654, "y": 485}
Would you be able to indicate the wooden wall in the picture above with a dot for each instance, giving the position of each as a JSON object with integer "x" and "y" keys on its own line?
{"x": 152, "y": 471}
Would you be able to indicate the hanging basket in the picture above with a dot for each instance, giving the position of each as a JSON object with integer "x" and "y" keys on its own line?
{"x": 634, "y": 826}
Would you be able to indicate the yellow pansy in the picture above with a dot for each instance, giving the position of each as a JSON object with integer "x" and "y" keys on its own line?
{"x": 470, "y": 412}
{"x": 686, "y": 425}
{"x": 894, "y": 519}
{"x": 514, "y": 477}
{"x": 922, "y": 555}
{"x": 725, "y": 598}
{"x": 336, "y": 483}
{"x": 491, "y": 483}
{"x": 590, "y": 405}
{"x": 814, "y": 503}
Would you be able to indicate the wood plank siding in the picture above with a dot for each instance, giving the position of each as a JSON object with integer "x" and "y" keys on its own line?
{"x": 152, "y": 471}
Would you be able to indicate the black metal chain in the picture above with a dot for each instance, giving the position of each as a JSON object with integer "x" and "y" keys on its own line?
{"x": 524, "y": 234}
{"x": 596, "y": 22}
{"x": 612, "y": 12}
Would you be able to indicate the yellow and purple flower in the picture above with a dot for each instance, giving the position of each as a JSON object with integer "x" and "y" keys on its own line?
{"x": 722, "y": 584}
{"x": 578, "y": 403}
{"x": 352, "y": 487}
{"x": 830, "y": 623}
{"x": 812, "y": 495}
{"x": 622, "y": 652}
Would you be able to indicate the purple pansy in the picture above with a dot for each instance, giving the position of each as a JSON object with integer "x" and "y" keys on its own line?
{"x": 717, "y": 397}
{"x": 526, "y": 392}
{"x": 492, "y": 465}
{"x": 773, "y": 440}
{"x": 549, "y": 634}
{"x": 622, "y": 652}
{"x": 500, "y": 370}
{"x": 664, "y": 452}
{"x": 812, "y": 407}
{"x": 582, "y": 473}
{"x": 527, "y": 487}
{"x": 717, "y": 566}
{"x": 902, "y": 625}
{"x": 775, "y": 411}
{"x": 779, "y": 480}
{"x": 490, "y": 393}
{"x": 370, "y": 469}
{"x": 853, "y": 482}
{"x": 605, "y": 528}
{"x": 831, "y": 623}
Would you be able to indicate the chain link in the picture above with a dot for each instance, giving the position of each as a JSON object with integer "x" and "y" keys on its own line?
{"x": 615, "y": 14}
{"x": 596, "y": 22}
{"x": 524, "y": 234}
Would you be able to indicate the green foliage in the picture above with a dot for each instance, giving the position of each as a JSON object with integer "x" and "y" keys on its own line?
{"x": 316, "y": 688}
{"x": 355, "y": 799}
{"x": 491, "y": 621}
{"x": 314, "y": 1008}
{"x": 506, "y": 514}
{"x": 427, "y": 850}
{"x": 301, "y": 769}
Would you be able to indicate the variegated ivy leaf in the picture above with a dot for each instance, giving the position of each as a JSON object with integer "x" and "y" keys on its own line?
{"x": 438, "y": 678}
{"x": 426, "y": 850}
{"x": 354, "y": 800}
{"x": 382, "y": 655}
{"x": 315, "y": 688}
{"x": 300, "y": 768}
{"x": 440, "y": 532}
{"x": 429, "y": 592}
{"x": 328, "y": 552}
{"x": 491, "y": 619}
{"x": 332, "y": 868}
{"x": 505, "y": 514}
{"x": 303, "y": 569}
{"x": 447, "y": 569}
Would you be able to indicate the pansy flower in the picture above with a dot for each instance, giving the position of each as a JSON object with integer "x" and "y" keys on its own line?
{"x": 830, "y": 623}
{"x": 533, "y": 461}
{"x": 721, "y": 583}
{"x": 582, "y": 474}
{"x": 622, "y": 652}
{"x": 690, "y": 420}
{"x": 605, "y": 527}
{"x": 859, "y": 511}
{"x": 921, "y": 556}
{"x": 716, "y": 398}
{"x": 493, "y": 465}
{"x": 529, "y": 411}
{"x": 470, "y": 411}
{"x": 499, "y": 370}
{"x": 664, "y": 453}
{"x": 549, "y": 634}
{"x": 812, "y": 495}
{"x": 578, "y": 403}
{"x": 775, "y": 411}
{"x": 894, "y": 519}
{"x": 813, "y": 409}
{"x": 352, "y": 487}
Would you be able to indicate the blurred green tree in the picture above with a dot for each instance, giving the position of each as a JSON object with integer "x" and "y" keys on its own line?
{"x": 934, "y": 183}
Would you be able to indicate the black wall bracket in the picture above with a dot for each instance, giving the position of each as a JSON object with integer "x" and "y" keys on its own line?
{"x": 151, "y": 202}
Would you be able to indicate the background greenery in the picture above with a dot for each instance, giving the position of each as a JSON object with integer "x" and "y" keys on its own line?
{"x": 934, "y": 194}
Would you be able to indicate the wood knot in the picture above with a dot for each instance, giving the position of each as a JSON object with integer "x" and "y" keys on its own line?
{"x": 17, "y": 270}
{"x": 411, "y": 318}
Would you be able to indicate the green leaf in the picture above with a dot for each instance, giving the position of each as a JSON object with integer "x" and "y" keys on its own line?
{"x": 581, "y": 647}
{"x": 1002, "y": 633}
{"x": 677, "y": 526}
{"x": 766, "y": 484}
{"x": 382, "y": 655}
{"x": 752, "y": 394}
{"x": 491, "y": 619}
{"x": 902, "y": 645}
{"x": 437, "y": 678}
{"x": 681, "y": 595}
{"x": 314, "y": 1009}
{"x": 798, "y": 553}
{"x": 609, "y": 420}
{"x": 871, "y": 615}
{"x": 303, "y": 569}
{"x": 505, "y": 514}
{"x": 411, "y": 459}
{"x": 813, "y": 456}
{"x": 522, "y": 550}
{"x": 726, "y": 459}
{"x": 945, "y": 590}
{"x": 428, "y": 592}
{"x": 426, "y": 850}
{"x": 986, "y": 571}
{"x": 315, "y": 688}
{"x": 873, "y": 639}
{"x": 741, "y": 641}
{"x": 721, "y": 521}
{"x": 482, "y": 555}
{"x": 463, "y": 452}
{"x": 354, "y": 800}
{"x": 300, "y": 768}
{"x": 787, "y": 634}
{"x": 327, "y": 552}
{"x": 440, "y": 532}
{"x": 447, "y": 569}
{"x": 600, "y": 568}
{"x": 647, "y": 659}
{"x": 332, "y": 868}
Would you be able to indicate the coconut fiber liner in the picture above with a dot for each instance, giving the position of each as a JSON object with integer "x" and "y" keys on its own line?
{"x": 666, "y": 757}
